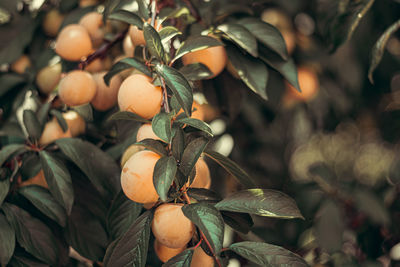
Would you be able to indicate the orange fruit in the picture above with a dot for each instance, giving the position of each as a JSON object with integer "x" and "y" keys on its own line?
{"x": 53, "y": 131}
{"x": 128, "y": 47}
{"x": 52, "y": 22}
{"x": 137, "y": 36}
{"x": 73, "y": 42}
{"x": 129, "y": 152}
{"x": 48, "y": 78}
{"x": 77, "y": 88}
{"x": 309, "y": 85}
{"x": 21, "y": 64}
{"x": 106, "y": 96}
{"x": 165, "y": 253}
{"x": 202, "y": 178}
{"x": 146, "y": 131}
{"x": 76, "y": 124}
{"x": 93, "y": 23}
{"x": 201, "y": 259}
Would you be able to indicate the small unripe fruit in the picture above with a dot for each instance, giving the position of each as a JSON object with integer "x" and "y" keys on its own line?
{"x": 48, "y": 78}
{"x": 165, "y": 253}
{"x": 52, "y": 22}
{"x": 73, "y": 43}
{"x": 138, "y": 95}
{"x": 106, "y": 96}
{"x": 201, "y": 259}
{"x": 137, "y": 177}
{"x": 146, "y": 131}
{"x": 38, "y": 179}
{"x": 53, "y": 131}
{"x": 76, "y": 124}
{"x": 129, "y": 152}
{"x": 93, "y": 23}
{"x": 171, "y": 227}
{"x": 77, "y": 88}
{"x": 202, "y": 178}
{"x": 21, "y": 64}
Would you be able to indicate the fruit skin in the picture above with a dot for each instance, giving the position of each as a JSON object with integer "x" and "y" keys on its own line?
{"x": 93, "y": 23}
{"x": 73, "y": 42}
{"x": 52, "y": 22}
{"x": 137, "y": 36}
{"x": 138, "y": 95}
{"x": 214, "y": 58}
{"x": 21, "y": 64}
{"x": 309, "y": 85}
{"x": 201, "y": 259}
{"x": 203, "y": 177}
{"x": 106, "y": 96}
{"x": 137, "y": 177}
{"x": 128, "y": 47}
{"x": 165, "y": 253}
{"x": 38, "y": 179}
{"x": 171, "y": 227}
{"x": 146, "y": 131}
{"x": 129, "y": 152}
{"x": 76, "y": 124}
{"x": 48, "y": 78}
{"x": 53, "y": 131}
{"x": 77, "y": 88}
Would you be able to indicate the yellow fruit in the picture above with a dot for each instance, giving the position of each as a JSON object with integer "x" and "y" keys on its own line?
{"x": 201, "y": 259}
{"x": 146, "y": 131}
{"x": 171, "y": 227}
{"x": 21, "y": 64}
{"x": 52, "y": 22}
{"x": 137, "y": 177}
{"x": 76, "y": 124}
{"x": 106, "y": 96}
{"x": 129, "y": 152}
{"x": 53, "y": 131}
{"x": 77, "y": 88}
{"x": 48, "y": 78}
{"x": 73, "y": 42}
{"x": 138, "y": 95}
{"x": 93, "y": 23}
{"x": 165, "y": 253}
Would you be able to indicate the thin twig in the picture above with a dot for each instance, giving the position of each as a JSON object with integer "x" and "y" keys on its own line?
{"x": 164, "y": 103}
{"x": 153, "y": 13}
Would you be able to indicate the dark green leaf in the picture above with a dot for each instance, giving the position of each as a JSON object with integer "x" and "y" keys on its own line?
{"x": 124, "y": 64}
{"x": 105, "y": 176}
{"x": 178, "y": 142}
{"x": 127, "y": 17}
{"x": 85, "y": 111}
{"x": 241, "y": 36}
{"x": 153, "y": 41}
{"x": 286, "y": 68}
{"x": 32, "y": 124}
{"x": 26, "y": 260}
{"x": 121, "y": 215}
{"x": 241, "y": 222}
{"x": 263, "y": 202}
{"x": 127, "y": 115}
{"x": 9, "y": 150}
{"x": 9, "y": 81}
{"x": 44, "y": 201}
{"x": 161, "y": 125}
{"x": 231, "y": 167}
{"x": 196, "y": 71}
{"x": 4, "y": 188}
{"x": 33, "y": 235}
{"x": 379, "y": 48}
{"x": 59, "y": 180}
{"x": 43, "y": 113}
{"x": 179, "y": 86}
{"x": 195, "y": 44}
{"x": 267, "y": 255}
{"x": 153, "y": 145}
{"x": 164, "y": 174}
{"x": 30, "y": 165}
{"x": 191, "y": 154}
{"x": 252, "y": 71}
{"x": 143, "y": 9}
{"x": 60, "y": 119}
{"x": 131, "y": 248}
{"x": 266, "y": 34}
{"x": 202, "y": 194}
{"x": 167, "y": 13}
{"x": 183, "y": 259}
{"x": 209, "y": 221}
{"x": 167, "y": 33}
{"x": 7, "y": 241}
{"x": 195, "y": 123}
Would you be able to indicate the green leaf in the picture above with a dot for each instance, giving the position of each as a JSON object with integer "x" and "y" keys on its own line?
{"x": 183, "y": 259}
{"x": 241, "y": 222}
{"x": 241, "y": 36}
{"x": 7, "y": 241}
{"x": 44, "y": 201}
{"x": 196, "y": 71}
{"x": 202, "y": 194}
{"x": 263, "y": 202}
{"x": 143, "y": 9}
{"x": 8, "y": 81}
{"x": 267, "y": 255}
{"x": 105, "y": 176}
{"x": 231, "y": 167}
{"x": 178, "y": 142}
{"x": 60, "y": 119}
{"x": 131, "y": 248}
{"x": 179, "y": 86}
{"x": 266, "y": 34}
{"x": 286, "y": 68}
{"x": 167, "y": 33}
{"x": 153, "y": 145}
{"x": 153, "y": 41}
{"x": 32, "y": 124}
{"x": 33, "y": 235}
{"x": 124, "y": 64}
{"x": 191, "y": 154}
{"x": 164, "y": 174}
{"x": 379, "y": 48}
{"x": 43, "y": 113}
{"x": 209, "y": 221}
{"x": 195, "y": 123}
{"x": 127, "y": 115}
{"x": 127, "y": 17}
{"x": 26, "y": 260}
{"x": 59, "y": 180}
{"x": 161, "y": 125}
{"x": 7, "y": 151}
{"x": 252, "y": 71}
{"x": 121, "y": 215}
{"x": 30, "y": 165}
{"x": 4, "y": 188}
{"x": 85, "y": 111}
{"x": 196, "y": 44}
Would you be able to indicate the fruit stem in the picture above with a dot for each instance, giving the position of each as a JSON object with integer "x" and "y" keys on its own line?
{"x": 102, "y": 51}
{"x": 202, "y": 235}
{"x": 164, "y": 103}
